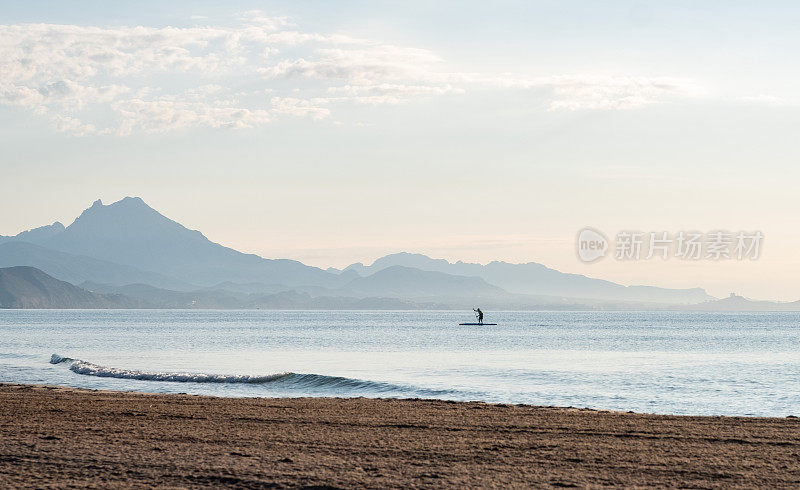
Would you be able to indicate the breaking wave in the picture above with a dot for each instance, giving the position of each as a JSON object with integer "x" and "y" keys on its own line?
{"x": 287, "y": 380}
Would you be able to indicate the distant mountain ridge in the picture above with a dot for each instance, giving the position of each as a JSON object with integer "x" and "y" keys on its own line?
{"x": 408, "y": 282}
{"x": 740, "y": 303}
{"x": 28, "y": 287}
{"x": 130, "y": 233}
{"x": 35, "y": 235}
{"x": 25, "y": 287}
{"x": 537, "y": 279}
{"x": 129, "y": 243}
{"x": 151, "y": 297}
{"x": 76, "y": 269}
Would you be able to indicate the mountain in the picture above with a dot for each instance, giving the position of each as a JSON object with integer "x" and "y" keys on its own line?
{"x": 293, "y": 300}
{"x": 150, "y": 297}
{"x": 162, "y": 263}
{"x": 406, "y": 282}
{"x": 740, "y": 303}
{"x": 537, "y": 279}
{"x": 28, "y": 287}
{"x": 35, "y": 235}
{"x": 164, "y": 298}
{"x": 77, "y": 269}
{"x": 131, "y": 233}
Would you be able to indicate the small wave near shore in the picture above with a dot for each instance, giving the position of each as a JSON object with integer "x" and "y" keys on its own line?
{"x": 284, "y": 380}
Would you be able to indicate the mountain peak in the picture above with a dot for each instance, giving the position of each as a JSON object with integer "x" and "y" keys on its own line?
{"x": 131, "y": 233}
{"x": 131, "y": 201}
{"x": 127, "y": 201}
{"x": 124, "y": 205}
{"x": 128, "y": 232}
{"x": 408, "y": 259}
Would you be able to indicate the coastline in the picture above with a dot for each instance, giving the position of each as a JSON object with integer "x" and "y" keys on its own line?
{"x": 59, "y": 436}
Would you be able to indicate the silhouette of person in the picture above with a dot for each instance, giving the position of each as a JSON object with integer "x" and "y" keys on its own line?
{"x": 480, "y": 314}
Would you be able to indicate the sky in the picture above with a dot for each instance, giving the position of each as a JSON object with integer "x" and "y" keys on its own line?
{"x": 338, "y": 132}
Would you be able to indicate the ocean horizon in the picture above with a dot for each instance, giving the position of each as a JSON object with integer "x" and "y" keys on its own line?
{"x": 689, "y": 363}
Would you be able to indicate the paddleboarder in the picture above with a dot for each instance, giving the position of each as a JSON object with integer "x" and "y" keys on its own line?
{"x": 479, "y": 316}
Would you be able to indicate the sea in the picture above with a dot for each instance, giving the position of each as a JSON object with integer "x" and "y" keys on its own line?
{"x": 744, "y": 364}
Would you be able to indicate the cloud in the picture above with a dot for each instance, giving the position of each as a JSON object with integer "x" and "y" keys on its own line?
{"x": 170, "y": 114}
{"x": 73, "y": 126}
{"x": 588, "y": 92}
{"x": 127, "y": 79}
{"x": 264, "y": 21}
{"x": 395, "y": 89}
{"x": 389, "y": 93}
{"x": 292, "y": 106}
{"x": 615, "y": 93}
{"x": 295, "y": 38}
{"x": 373, "y": 64}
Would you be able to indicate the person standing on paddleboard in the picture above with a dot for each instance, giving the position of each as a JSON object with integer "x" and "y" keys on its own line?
{"x": 479, "y": 313}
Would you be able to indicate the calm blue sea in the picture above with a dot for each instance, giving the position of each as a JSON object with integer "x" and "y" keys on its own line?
{"x": 660, "y": 362}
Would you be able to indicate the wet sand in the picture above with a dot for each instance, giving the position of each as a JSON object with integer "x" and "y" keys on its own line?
{"x": 64, "y": 437}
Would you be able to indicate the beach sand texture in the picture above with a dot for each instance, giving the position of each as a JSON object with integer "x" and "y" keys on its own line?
{"x": 62, "y": 437}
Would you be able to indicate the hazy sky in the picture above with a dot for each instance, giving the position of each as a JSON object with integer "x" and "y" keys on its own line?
{"x": 335, "y": 132}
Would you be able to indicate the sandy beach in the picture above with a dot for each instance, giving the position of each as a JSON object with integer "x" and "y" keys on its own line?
{"x": 64, "y": 437}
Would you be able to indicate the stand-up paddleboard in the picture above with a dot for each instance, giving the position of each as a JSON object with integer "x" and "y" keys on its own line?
{"x": 479, "y": 317}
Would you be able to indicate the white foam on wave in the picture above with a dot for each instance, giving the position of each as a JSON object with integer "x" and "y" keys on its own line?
{"x": 285, "y": 380}
{"x": 56, "y": 359}
{"x": 90, "y": 369}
